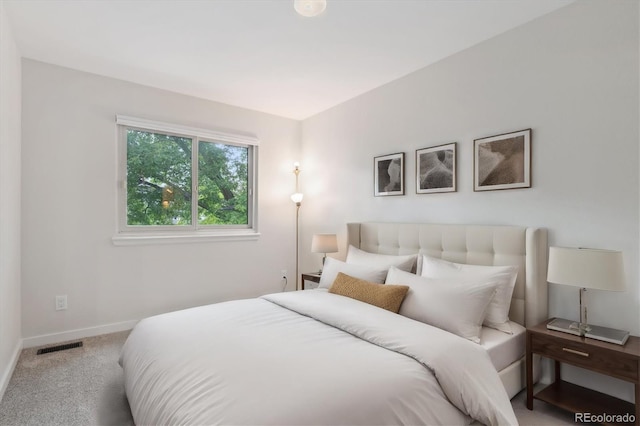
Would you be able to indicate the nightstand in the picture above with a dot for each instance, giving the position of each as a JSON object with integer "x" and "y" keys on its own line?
{"x": 622, "y": 362}
{"x": 310, "y": 276}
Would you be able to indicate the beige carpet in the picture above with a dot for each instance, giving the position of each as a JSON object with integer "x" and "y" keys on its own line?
{"x": 84, "y": 386}
{"x": 80, "y": 386}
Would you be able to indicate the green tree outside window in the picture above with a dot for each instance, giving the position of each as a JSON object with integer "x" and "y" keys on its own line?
{"x": 160, "y": 173}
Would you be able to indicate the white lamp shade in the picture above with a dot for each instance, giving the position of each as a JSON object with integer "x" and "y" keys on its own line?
{"x": 588, "y": 268}
{"x": 297, "y": 197}
{"x": 324, "y": 243}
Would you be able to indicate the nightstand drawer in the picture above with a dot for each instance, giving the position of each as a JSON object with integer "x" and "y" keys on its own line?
{"x": 585, "y": 356}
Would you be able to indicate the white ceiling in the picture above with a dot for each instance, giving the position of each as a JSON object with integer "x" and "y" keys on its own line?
{"x": 260, "y": 54}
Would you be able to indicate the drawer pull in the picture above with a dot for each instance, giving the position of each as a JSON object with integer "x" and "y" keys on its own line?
{"x": 573, "y": 351}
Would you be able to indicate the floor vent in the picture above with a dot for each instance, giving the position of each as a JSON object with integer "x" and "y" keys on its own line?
{"x": 59, "y": 348}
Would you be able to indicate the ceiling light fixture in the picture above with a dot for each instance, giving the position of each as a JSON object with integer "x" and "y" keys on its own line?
{"x": 310, "y": 8}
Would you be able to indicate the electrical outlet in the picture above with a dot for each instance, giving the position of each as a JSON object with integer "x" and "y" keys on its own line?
{"x": 61, "y": 303}
{"x": 284, "y": 274}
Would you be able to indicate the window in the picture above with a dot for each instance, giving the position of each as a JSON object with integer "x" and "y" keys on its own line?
{"x": 181, "y": 181}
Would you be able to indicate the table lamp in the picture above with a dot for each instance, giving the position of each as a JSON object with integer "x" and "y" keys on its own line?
{"x": 324, "y": 243}
{"x": 588, "y": 269}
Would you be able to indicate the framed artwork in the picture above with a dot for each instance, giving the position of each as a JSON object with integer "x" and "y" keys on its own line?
{"x": 388, "y": 175}
{"x": 436, "y": 169}
{"x": 502, "y": 161}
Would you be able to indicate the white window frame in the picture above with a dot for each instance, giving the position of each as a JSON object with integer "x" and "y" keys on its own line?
{"x": 136, "y": 235}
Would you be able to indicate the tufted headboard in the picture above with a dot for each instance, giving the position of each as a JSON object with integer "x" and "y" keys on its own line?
{"x": 472, "y": 244}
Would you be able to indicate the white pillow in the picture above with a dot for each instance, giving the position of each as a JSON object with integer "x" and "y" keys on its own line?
{"x": 498, "y": 312}
{"x": 452, "y": 305}
{"x": 380, "y": 261}
{"x": 333, "y": 266}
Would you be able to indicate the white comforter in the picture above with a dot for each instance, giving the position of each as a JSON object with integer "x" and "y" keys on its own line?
{"x": 306, "y": 358}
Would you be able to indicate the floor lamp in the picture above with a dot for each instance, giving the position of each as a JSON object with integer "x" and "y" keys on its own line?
{"x": 297, "y": 199}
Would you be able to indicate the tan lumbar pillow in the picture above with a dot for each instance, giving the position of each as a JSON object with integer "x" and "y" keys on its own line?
{"x": 384, "y": 296}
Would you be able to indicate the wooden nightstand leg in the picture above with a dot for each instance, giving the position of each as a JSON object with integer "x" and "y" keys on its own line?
{"x": 529, "y": 366}
{"x": 556, "y": 368}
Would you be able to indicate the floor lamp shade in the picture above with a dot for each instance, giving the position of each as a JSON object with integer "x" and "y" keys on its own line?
{"x": 586, "y": 268}
{"x": 297, "y": 197}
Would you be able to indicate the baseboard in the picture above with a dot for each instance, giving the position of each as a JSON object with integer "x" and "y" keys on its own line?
{"x": 47, "y": 339}
{"x": 8, "y": 372}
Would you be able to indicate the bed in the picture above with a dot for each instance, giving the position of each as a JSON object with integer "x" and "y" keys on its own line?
{"x": 315, "y": 357}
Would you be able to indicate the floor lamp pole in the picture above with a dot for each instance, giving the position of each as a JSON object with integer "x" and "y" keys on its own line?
{"x": 297, "y": 241}
{"x": 297, "y": 198}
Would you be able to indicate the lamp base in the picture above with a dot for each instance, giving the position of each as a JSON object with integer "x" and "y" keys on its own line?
{"x": 583, "y": 328}
{"x": 605, "y": 334}
{"x": 611, "y": 335}
{"x": 323, "y": 259}
{"x": 565, "y": 326}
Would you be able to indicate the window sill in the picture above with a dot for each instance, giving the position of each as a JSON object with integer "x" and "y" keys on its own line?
{"x": 139, "y": 239}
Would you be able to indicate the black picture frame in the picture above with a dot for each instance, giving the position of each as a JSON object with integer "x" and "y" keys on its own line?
{"x": 436, "y": 169}
{"x": 388, "y": 175}
{"x": 502, "y": 161}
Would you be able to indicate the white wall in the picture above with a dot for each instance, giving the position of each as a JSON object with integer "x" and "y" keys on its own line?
{"x": 571, "y": 76}
{"x": 69, "y": 209}
{"x": 10, "y": 100}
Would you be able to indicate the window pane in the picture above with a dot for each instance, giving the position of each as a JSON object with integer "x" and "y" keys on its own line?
{"x": 222, "y": 184}
{"x": 158, "y": 179}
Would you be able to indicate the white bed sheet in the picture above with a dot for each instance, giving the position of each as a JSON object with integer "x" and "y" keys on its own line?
{"x": 504, "y": 349}
{"x": 306, "y": 358}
